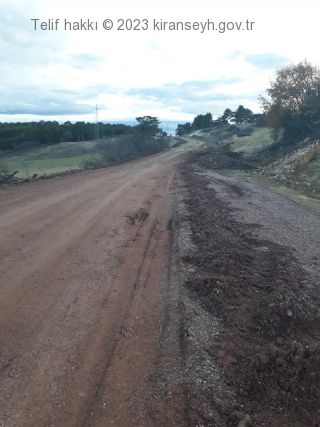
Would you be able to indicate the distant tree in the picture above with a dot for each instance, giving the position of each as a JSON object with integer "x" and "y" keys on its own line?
{"x": 149, "y": 126}
{"x": 227, "y": 116}
{"x": 31, "y": 134}
{"x": 259, "y": 119}
{"x": 243, "y": 115}
{"x": 183, "y": 129}
{"x": 202, "y": 121}
{"x": 80, "y": 131}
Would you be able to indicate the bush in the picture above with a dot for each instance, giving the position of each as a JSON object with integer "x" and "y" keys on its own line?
{"x": 245, "y": 131}
{"x": 128, "y": 147}
{"x": 4, "y": 169}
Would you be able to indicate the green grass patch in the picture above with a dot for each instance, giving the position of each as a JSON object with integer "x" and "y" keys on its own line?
{"x": 52, "y": 159}
{"x": 64, "y": 149}
{"x": 191, "y": 143}
{"x": 259, "y": 139}
{"x": 47, "y": 166}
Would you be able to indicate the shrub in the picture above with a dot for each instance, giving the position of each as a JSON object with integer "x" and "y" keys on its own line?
{"x": 128, "y": 147}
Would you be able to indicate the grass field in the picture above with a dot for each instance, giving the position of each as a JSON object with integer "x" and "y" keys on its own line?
{"x": 295, "y": 175}
{"x": 259, "y": 139}
{"x": 28, "y": 167}
{"x": 192, "y": 143}
{"x": 52, "y": 159}
{"x": 58, "y": 158}
{"x": 305, "y": 175}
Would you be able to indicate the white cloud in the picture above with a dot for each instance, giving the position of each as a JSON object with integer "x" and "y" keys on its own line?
{"x": 44, "y": 71}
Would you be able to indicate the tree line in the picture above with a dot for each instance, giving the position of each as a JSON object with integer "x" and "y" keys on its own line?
{"x": 291, "y": 107}
{"x": 31, "y": 134}
{"x": 204, "y": 121}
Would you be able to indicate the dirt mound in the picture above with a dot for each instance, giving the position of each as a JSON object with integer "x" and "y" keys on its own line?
{"x": 221, "y": 157}
{"x": 270, "y": 344}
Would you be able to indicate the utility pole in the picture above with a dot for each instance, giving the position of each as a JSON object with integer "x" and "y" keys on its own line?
{"x": 97, "y": 123}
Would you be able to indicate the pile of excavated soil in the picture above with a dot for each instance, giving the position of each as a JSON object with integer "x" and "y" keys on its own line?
{"x": 269, "y": 346}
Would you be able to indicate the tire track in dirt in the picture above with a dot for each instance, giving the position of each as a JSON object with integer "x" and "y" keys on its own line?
{"x": 75, "y": 221}
{"x": 82, "y": 312}
{"x": 122, "y": 396}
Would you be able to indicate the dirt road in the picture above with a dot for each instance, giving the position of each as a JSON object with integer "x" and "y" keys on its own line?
{"x": 84, "y": 277}
{"x": 153, "y": 295}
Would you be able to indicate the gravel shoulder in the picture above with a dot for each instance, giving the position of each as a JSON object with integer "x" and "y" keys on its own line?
{"x": 280, "y": 219}
{"x": 250, "y": 271}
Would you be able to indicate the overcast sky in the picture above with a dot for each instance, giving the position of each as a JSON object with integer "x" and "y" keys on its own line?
{"x": 59, "y": 75}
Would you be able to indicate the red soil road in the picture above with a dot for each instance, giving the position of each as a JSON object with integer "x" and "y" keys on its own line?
{"x": 84, "y": 271}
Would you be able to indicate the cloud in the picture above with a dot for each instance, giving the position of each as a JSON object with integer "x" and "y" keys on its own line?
{"x": 171, "y": 75}
{"x": 84, "y": 60}
{"x": 266, "y": 60}
{"x": 188, "y": 90}
{"x": 44, "y": 101}
{"x": 198, "y": 96}
{"x": 47, "y": 107}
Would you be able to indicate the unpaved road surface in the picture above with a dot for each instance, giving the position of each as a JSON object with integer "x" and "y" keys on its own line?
{"x": 84, "y": 276}
{"x": 157, "y": 293}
